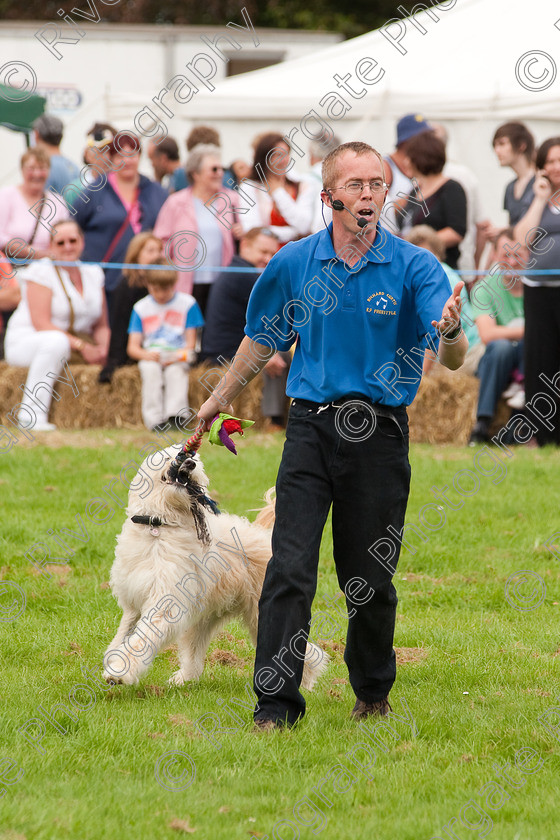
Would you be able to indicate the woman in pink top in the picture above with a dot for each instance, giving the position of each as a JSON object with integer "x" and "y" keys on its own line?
{"x": 24, "y": 236}
{"x": 193, "y": 235}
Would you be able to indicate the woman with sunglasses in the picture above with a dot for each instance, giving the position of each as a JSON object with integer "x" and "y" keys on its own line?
{"x": 62, "y": 311}
{"x": 194, "y": 235}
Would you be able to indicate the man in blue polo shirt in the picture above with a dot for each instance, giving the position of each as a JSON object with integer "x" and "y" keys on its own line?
{"x": 361, "y": 306}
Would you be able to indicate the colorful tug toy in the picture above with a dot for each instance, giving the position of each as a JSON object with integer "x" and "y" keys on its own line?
{"x": 223, "y": 426}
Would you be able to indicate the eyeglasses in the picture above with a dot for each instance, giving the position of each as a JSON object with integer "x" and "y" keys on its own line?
{"x": 60, "y": 242}
{"x": 356, "y": 187}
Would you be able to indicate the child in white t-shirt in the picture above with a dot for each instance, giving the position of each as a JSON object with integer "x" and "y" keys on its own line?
{"x": 162, "y": 336}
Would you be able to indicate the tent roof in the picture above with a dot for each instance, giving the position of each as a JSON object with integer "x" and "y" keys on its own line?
{"x": 18, "y": 109}
{"x": 463, "y": 66}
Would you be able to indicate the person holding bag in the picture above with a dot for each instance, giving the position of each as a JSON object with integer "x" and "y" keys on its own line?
{"x": 110, "y": 215}
{"x": 24, "y": 234}
{"x": 62, "y": 316}
{"x": 17, "y": 222}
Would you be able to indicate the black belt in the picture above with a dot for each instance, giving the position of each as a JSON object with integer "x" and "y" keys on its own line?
{"x": 377, "y": 408}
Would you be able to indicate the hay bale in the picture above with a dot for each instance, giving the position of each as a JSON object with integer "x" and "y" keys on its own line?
{"x": 443, "y": 412}
{"x": 94, "y": 406}
{"x": 108, "y": 405}
{"x": 118, "y": 403}
{"x": 445, "y": 408}
{"x": 10, "y": 393}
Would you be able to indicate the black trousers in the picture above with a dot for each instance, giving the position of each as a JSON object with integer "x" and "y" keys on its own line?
{"x": 542, "y": 350}
{"x": 366, "y": 479}
{"x": 200, "y": 293}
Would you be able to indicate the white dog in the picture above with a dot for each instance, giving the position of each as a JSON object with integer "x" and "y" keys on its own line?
{"x": 182, "y": 570}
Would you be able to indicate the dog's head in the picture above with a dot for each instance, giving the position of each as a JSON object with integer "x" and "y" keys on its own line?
{"x": 152, "y": 493}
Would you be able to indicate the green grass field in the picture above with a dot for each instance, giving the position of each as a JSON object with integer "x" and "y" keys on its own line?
{"x": 476, "y": 689}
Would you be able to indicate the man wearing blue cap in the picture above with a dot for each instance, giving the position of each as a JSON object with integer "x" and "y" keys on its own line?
{"x": 400, "y": 184}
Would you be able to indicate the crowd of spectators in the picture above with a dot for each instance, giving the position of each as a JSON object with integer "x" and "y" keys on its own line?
{"x": 204, "y": 268}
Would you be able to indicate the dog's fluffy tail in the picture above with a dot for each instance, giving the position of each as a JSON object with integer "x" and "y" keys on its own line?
{"x": 267, "y": 513}
{"x": 316, "y": 661}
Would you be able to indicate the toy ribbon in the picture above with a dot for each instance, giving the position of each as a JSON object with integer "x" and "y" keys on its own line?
{"x": 224, "y": 425}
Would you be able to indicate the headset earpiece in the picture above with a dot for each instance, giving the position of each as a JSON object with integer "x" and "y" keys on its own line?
{"x": 336, "y": 203}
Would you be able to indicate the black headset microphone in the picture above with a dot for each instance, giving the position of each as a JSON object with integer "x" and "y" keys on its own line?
{"x": 337, "y": 204}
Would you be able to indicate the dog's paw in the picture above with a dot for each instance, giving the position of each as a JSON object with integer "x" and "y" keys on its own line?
{"x": 125, "y": 679}
{"x": 116, "y": 677}
{"x": 178, "y": 678}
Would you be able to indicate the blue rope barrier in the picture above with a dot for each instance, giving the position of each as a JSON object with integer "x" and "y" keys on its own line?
{"x": 235, "y": 270}
{"x": 529, "y": 273}
{"x": 227, "y": 269}
{"x": 249, "y": 269}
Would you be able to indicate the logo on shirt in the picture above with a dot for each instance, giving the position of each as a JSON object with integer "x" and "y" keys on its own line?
{"x": 381, "y": 303}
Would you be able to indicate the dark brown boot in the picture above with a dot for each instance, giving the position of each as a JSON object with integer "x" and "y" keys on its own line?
{"x": 377, "y": 707}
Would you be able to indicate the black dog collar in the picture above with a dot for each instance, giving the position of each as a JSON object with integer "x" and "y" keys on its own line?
{"x": 152, "y": 521}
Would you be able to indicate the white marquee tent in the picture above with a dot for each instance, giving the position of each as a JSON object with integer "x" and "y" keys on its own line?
{"x": 471, "y": 64}
{"x": 462, "y": 67}
{"x": 454, "y": 62}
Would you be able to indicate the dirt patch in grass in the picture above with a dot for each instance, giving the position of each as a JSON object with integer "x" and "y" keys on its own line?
{"x": 182, "y": 722}
{"x": 226, "y": 657}
{"x": 179, "y": 720}
{"x": 75, "y": 650}
{"x": 182, "y": 825}
{"x": 54, "y": 569}
{"x": 413, "y": 577}
{"x": 333, "y": 647}
{"x": 151, "y": 691}
{"x": 407, "y": 655}
{"x": 336, "y": 695}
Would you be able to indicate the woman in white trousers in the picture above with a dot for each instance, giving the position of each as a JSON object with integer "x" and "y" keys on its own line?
{"x": 62, "y": 310}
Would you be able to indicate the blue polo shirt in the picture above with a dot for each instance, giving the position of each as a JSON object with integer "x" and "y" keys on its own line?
{"x": 361, "y": 330}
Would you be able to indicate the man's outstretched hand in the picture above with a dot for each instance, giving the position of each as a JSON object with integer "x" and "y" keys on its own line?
{"x": 451, "y": 314}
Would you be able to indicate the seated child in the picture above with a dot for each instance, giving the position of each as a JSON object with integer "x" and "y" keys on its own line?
{"x": 162, "y": 336}
{"x": 497, "y": 303}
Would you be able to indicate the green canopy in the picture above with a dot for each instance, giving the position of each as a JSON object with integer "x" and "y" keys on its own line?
{"x": 18, "y": 109}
